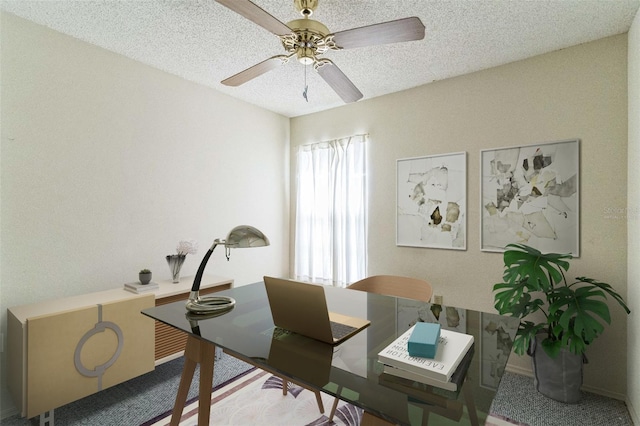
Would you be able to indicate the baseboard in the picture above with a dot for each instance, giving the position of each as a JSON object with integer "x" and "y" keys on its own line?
{"x": 8, "y": 412}
{"x": 519, "y": 370}
{"x": 598, "y": 391}
{"x": 604, "y": 392}
{"x": 632, "y": 412}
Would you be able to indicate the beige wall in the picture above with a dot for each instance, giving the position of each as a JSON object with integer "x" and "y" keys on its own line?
{"x": 633, "y": 221}
{"x": 107, "y": 163}
{"x": 580, "y": 92}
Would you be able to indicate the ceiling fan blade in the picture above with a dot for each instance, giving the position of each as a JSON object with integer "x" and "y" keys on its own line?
{"x": 407, "y": 29}
{"x": 338, "y": 81}
{"x": 256, "y": 15}
{"x": 256, "y": 70}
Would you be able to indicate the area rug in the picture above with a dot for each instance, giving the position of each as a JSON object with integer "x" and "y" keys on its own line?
{"x": 255, "y": 398}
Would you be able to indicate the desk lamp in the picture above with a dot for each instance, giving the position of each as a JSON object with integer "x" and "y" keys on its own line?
{"x": 240, "y": 237}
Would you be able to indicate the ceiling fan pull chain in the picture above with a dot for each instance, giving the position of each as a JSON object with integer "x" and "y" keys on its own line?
{"x": 306, "y": 87}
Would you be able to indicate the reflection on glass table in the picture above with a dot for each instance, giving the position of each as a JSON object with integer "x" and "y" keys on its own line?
{"x": 350, "y": 370}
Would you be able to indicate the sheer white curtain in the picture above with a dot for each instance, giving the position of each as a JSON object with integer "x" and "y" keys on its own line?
{"x": 331, "y": 211}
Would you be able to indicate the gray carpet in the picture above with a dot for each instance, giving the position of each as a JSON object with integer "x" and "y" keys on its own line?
{"x": 138, "y": 400}
{"x": 518, "y": 401}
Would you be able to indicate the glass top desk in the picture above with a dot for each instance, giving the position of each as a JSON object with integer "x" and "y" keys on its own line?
{"x": 350, "y": 370}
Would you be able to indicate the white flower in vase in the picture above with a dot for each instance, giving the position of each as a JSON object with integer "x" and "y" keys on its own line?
{"x": 187, "y": 247}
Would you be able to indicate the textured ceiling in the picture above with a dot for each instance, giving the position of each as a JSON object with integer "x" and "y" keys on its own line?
{"x": 204, "y": 42}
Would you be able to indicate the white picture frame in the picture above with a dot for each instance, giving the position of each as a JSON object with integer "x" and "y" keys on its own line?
{"x": 431, "y": 201}
{"x": 531, "y": 195}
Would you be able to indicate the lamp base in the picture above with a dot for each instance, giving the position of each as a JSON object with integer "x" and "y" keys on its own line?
{"x": 207, "y": 305}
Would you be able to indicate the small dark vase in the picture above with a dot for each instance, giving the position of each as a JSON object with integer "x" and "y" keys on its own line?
{"x": 145, "y": 278}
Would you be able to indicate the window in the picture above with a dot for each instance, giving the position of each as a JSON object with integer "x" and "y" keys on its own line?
{"x": 331, "y": 212}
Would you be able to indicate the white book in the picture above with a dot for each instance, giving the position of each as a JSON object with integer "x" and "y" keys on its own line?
{"x": 394, "y": 371}
{"x": 452, "y": 384}
{"x": 452, "y": 347}
{"x": 137, "y": 287}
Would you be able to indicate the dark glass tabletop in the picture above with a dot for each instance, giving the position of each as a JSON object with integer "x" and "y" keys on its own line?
{"x": 351, "y": 370}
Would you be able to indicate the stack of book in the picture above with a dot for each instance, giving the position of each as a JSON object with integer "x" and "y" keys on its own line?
{"x": 446, "y": 370}
{"x": 137, "y": 287}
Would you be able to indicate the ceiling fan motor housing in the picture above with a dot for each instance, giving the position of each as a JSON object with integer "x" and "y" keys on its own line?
{"x": 309, "y": 39}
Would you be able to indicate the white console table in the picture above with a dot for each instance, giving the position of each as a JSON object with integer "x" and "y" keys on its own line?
{"x": 65, "y": 349}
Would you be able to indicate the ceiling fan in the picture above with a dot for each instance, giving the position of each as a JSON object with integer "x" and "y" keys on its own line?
{"x": 308, "y": 39}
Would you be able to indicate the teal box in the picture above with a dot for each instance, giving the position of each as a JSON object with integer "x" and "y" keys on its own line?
{"x": 423, "y": 341}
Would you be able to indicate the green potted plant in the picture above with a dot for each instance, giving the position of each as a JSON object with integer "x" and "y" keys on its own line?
{"x": 572, "y": 316}
{"x": 144, "y": 276}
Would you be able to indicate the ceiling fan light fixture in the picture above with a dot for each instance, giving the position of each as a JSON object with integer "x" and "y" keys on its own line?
{"x": 306, "y": 55}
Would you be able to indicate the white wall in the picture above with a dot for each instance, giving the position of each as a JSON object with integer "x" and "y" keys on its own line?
{"x": 579, "y": 92}
{"x": 107, "y": 163}
{"x": 633, "y": 223}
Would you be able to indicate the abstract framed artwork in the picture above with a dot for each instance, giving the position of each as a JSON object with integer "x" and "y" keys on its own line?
{"x": 530, "y": 195}
{"x": 431, "y": 201}
{"x": 497, "y": 334}
{"x": 410, "y": 312}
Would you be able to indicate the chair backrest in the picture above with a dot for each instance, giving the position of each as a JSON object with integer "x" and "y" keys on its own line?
{"x": 391, "y": 285}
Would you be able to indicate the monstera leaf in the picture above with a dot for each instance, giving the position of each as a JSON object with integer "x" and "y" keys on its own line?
{"x": 515, "y": 300}
{"x": 607, "y": 288}
{"x": 574, "y": 314}
{"x": 539, "y": 271}
{"x": 526, "y": 333}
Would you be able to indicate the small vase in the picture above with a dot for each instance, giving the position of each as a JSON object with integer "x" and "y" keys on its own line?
{"x": 175, "y": 262}
{"x": 145, "y": 278}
